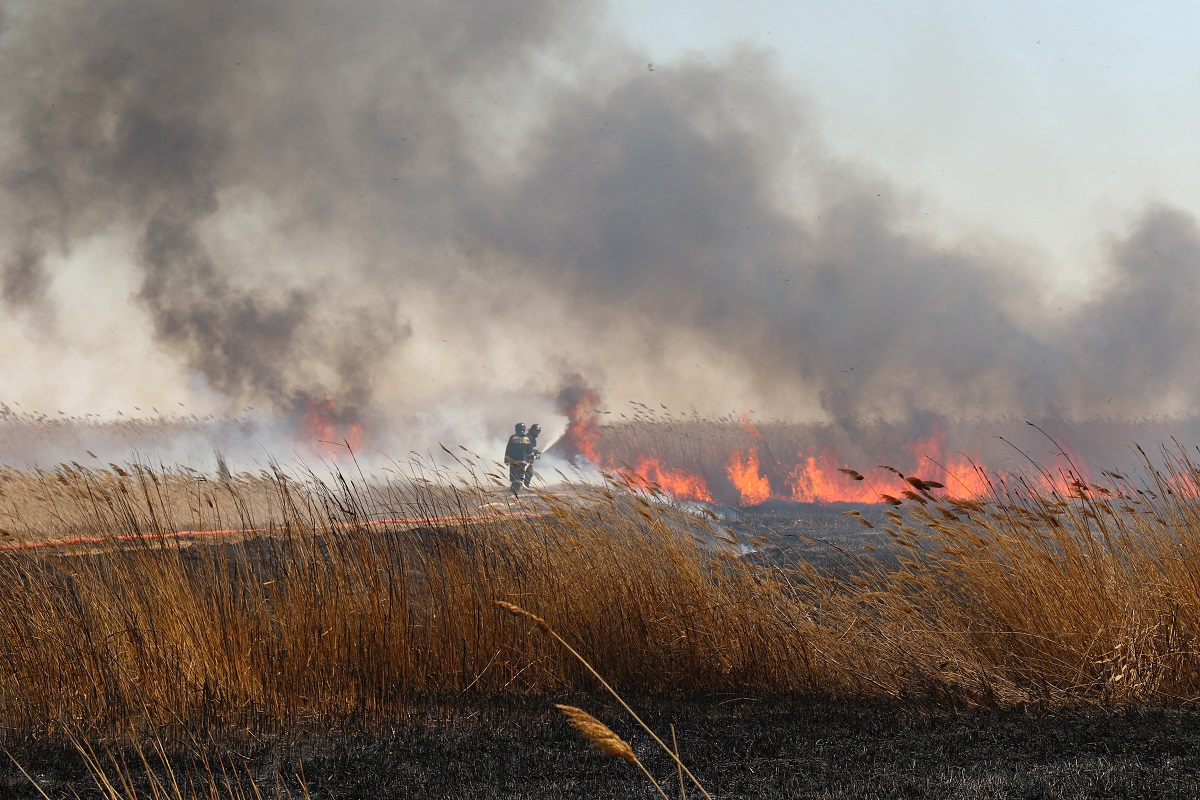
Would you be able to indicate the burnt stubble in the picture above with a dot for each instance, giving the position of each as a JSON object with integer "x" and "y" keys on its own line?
{"x": 739, "y": 747}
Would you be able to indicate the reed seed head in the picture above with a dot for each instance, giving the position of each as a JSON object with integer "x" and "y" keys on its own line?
{"x": 598, "y": 733}
{"x": 520, "y": 612}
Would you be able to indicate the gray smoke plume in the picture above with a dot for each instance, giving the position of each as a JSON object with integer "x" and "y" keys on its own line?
{"x": 396, "y": 205}
{"x": 24, "y": 281}
{"x": 1138, "y": 343}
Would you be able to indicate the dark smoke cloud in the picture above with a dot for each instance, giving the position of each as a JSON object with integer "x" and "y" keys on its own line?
{"x": 24, "y": 281}
{"x": 1140, "y": 341}
{"x": 147, "y": 116}
{"x": 240, "y": 345}
{"x": 394, "y": 203}
{"x": 669, "y": 206}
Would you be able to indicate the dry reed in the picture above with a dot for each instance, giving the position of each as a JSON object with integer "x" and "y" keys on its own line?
{"x": 330, "y": 614}
{"x": 598, "y": 733}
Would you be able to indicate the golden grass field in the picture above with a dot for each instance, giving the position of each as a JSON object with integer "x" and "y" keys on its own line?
{"x": 170, "y": 610}
{"x": 321, "y": 618}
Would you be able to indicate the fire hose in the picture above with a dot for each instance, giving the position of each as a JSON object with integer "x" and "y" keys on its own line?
{"x": 133, "y": 537}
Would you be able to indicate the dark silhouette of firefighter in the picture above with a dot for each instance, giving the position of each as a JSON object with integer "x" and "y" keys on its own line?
{"x": 534, "y": 430}
{"x": 519, "y": 455}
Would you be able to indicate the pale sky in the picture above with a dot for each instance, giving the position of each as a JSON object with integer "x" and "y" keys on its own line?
{"x": 1050, "y": 124}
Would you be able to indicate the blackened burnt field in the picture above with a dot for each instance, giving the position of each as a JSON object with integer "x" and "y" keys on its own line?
{"x": 1031, "y": 642}
{"x": 739, "y": 747}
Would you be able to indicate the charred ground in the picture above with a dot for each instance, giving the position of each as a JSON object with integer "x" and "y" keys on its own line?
{"x": 739, "y": 747}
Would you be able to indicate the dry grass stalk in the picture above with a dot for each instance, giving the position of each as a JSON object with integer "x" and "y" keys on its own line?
{"x": 517, "y": 611}
{"x": 602, "y": 737}
{"x": 598, "y": 733}
{"x": 521, "y": 612}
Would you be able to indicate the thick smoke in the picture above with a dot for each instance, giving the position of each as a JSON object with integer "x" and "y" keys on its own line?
{"x": 24, "y": 281}
{"x": 401, "y": 205}
{"x": 1137, "y": 345}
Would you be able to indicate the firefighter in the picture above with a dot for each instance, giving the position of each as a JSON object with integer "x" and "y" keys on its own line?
{"x": 518, "y": 455}
{"x": 534, "y": 430}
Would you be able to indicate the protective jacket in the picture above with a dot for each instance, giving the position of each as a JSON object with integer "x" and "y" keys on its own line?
{"x": 519, "y": 450}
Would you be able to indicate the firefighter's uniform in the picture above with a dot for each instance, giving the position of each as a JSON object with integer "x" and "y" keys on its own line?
{"x": 518, "y": 455}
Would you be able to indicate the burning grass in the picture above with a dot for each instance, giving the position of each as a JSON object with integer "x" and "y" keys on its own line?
{"x": 743, "y": 462}
{"x": 357, "y": 599}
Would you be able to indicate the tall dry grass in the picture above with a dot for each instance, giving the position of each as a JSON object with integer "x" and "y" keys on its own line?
{"x": 1089, "y": 592}
{"x": 71, "y": 500}
{"x": 325, "y": 617}
{"x": 361, "y": 597}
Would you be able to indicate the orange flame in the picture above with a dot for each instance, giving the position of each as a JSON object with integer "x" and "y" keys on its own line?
{"x": 579, "y": 403}
{"x": 744, "y": 474}
{"x": 747, "y": 424}
{"x": 326, "y": 432}
{"x": 1066, "y": 475}
{"x": 966, "y": 480}
{"x": 963, "y": 478}
{"x": 676, "y": 483}
{"x": 815, "y": 476}
{"x": 586, "y": 437}
{"x": 817, "y": 479}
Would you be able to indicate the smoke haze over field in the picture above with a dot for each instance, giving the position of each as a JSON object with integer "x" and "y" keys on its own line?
{"x": 437, "y": 212}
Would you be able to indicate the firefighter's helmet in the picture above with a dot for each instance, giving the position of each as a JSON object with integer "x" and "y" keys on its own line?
{"x": 535, "y": 430}
{"x": 520, "y": 428}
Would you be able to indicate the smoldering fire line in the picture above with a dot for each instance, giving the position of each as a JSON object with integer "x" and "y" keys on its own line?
{"x": 127, "y": 538}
